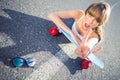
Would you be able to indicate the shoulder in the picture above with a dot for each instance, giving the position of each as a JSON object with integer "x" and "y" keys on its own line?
{"x": 79, "y": 14}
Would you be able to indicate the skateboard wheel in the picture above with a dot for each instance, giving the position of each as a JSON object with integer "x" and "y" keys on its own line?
{"x": 30, "y": 62}
{"x": 18, "y": 62}
{"x": 53, "y": 31}
{"x": 85, "y": 64}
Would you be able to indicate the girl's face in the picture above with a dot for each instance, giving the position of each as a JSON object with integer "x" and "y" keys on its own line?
{"x": 89, "y": 22}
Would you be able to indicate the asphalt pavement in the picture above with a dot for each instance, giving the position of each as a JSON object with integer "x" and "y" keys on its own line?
{"x": 24, "y": 33}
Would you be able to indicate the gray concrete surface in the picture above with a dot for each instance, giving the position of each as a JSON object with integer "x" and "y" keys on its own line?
{"x": 24, "y": 32}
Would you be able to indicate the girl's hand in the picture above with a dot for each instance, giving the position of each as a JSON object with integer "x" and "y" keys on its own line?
{"x": 83, "y": 50}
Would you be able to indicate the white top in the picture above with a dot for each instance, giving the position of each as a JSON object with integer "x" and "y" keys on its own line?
{"x": 91, "y": 42}
{"x": 75, "y": 31}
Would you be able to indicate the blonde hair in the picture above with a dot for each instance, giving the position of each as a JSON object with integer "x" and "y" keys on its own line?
{"x": 101, "y": 11}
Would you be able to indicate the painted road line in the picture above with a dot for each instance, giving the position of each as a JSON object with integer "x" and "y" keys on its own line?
{"x": 48, "y": 69}
{"x": 5, "y": 40}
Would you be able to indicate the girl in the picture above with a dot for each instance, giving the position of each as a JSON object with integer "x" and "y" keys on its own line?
{"x": 87, "y": 28}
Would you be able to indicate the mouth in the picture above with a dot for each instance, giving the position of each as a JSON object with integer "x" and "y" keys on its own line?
{"x": 86, "y": 25}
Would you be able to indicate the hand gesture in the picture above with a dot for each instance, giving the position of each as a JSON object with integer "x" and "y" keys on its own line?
{"x": 83, "y": 50}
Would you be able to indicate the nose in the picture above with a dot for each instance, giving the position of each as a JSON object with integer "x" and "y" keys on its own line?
{"x": 92, "y": 21}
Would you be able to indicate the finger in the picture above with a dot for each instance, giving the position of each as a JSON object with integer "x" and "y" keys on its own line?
{"x": 84, "y": 53}
{"x": 86, "y": 36}
{"x": 97, "y": 49}
{"x": 78, "y": 51}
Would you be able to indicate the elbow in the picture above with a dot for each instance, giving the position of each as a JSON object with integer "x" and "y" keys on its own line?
{"x": 50, "y": 16}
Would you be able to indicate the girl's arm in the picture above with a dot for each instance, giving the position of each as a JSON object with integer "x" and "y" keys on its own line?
{"x": 56, "y": 18}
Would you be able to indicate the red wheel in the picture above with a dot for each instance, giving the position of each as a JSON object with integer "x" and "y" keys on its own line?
{"x": 53, "y": 31}
{"x": 85, "y": 64}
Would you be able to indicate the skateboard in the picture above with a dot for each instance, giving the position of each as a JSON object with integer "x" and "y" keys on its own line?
{"x": 91, "y": 58}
